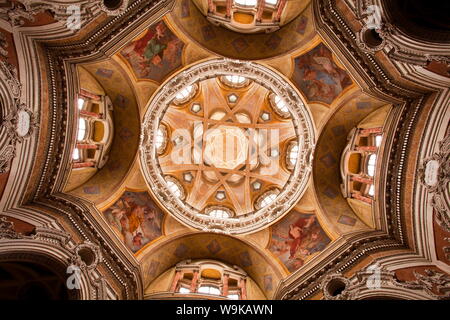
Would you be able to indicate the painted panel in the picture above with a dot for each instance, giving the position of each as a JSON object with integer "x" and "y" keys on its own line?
{"x": 296, "y": 237}
{"x": 155, "y": 53}
{"x": 318, "y": 76}
{"x": 136, "y": 218}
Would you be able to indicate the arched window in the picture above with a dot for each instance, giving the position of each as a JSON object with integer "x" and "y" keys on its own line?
{"x": 161, "y": 139}
{"x": 266, "y": 199}
{"x": 271, "y": 2}
{"x": 184, "y": 93}
{"x": 184, "y": 290}
{"x": 279, "y": 106}
{"x": 279, "y": 102}
{"x": 372, "y": 190}
{"x": 292, "y": 155}
{"x": 175, "y": 187}
{"x": 209, "y": 290}
{"x": 235, "y": 80}
{"x": 247, "y": 3}
{"x": 76, "y": 154}
{"x": 218, "y": 213}
{"x": 81, "y": 129}
{"x": 371, "y": 165}
{"x": 81, "y": 103}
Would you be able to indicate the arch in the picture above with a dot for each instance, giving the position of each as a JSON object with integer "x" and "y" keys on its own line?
{"x": 53, "y": 256}
{"x": 230, "y": 250}
{"x": 34, "y": 275}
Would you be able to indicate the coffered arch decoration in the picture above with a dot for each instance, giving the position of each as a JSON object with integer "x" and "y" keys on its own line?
{"x": 110, "y": 79}
{"x": 327, "y": 161}
{"x": 223, "y": 42}
{"x": 228, "y": 113}
{"x": 166, "y": 254}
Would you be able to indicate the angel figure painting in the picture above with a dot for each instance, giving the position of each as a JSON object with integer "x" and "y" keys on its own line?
{"x": 136, "y": 218}
{"x": 318, "y": 76}
{"x": 295, "y": 238}
{"x": 155, "y": 53}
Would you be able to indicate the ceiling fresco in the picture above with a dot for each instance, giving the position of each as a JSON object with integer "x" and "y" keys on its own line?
{"x": 318, "y": 76}
{"x": 296, "y": 238}
{"x": 136, "y": 219}
{"x": 154, "y": 54}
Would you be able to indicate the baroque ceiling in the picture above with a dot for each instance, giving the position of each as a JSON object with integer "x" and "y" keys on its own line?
{"x": 303, "y": 150}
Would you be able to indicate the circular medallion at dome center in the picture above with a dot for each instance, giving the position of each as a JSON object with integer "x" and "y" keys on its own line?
{"x": 226, "y": 147}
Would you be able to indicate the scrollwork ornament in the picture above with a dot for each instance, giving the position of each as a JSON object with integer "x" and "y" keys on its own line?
{"x": 21, "y": 124}
{"x": 434, "y": 174}
{"x": 434, "y": 283}
{"x": 328, "y": 282}
{"x": 7, "y": 230}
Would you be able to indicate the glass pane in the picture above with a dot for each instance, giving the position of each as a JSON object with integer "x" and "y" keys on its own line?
{"x": 174, "y": 189}
{"x": 371, "y": 165}
{"x": 246, "y": 2}
{"x": 81, "y": 129}
{"x": 209, "y": 290}
{"x": 159, "y": 138}
{"x": 293, "y": 155}
{"x": 268, "y": 200}
{"x": 80, "y": 103}
{"x": 76, "y": 154}
{"x": 372, "y": 190}
{"x": 184, "y": 93}
{"x": 184, "y": 290}
{"x": 235, "y": 79}
{"x": 281, "y": 105}
{"x": 378, "y": 140}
